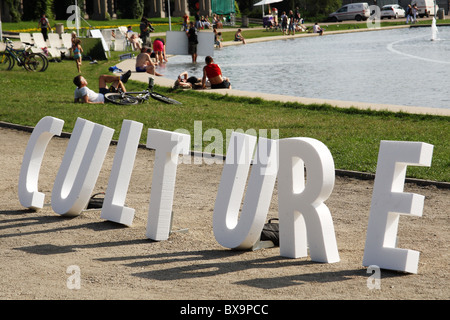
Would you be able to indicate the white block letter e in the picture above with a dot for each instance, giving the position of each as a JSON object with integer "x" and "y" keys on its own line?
{"x": 389, "y": 202}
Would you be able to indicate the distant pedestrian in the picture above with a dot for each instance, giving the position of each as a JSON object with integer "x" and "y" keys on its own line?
{"x": 185, "y": 22}
{"x": 275, "y": 17}
{"x": 72, "y": 41}
{"x": 408, "y": 13}
{"x": 44, "y": 24}
{"x": 146, "y": 27}
{"x": 414, "y": 13}
{"x": 297, "y": 15}
{"x": 284, "y": 21}
{"x": 291, "y": 22}
{"x": 198, "y": 23}
{"x": 192, "y": 41}
{"x": 77, "y": 53}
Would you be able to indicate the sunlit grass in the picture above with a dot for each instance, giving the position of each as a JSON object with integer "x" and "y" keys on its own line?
{"x": 352, "y": 135}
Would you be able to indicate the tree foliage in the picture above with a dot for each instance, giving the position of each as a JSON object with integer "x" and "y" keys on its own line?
{"x": 131, "y": 9}
{"x": 34, "y": 9}
{"x": 14, "y": 9}
{"x": 60, "y": 8}
{"x": 321, "y": 7}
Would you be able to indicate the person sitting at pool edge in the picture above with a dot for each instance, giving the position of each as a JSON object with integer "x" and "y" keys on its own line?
{"x": 85, "y": 95}
{"x": 317, "y": 29}
{"x": 238, "y": 36}
{"x": 144, "y": 62}
{"x": 214, "y": 74}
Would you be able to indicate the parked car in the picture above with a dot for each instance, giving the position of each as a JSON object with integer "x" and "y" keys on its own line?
{"x": 392, "y": 11}
{"x": 425, "y": 7}
{"x": 353, "y": 11}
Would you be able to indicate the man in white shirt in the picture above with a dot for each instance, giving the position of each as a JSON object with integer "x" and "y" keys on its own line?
{"x": 317, "y": 29}
{"x": 85, "y": 95}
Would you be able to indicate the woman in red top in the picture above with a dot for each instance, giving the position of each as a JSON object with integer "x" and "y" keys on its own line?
{"x": 214, "y": 74}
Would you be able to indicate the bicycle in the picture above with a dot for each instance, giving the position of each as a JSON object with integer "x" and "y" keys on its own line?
{"x": 132, "y": 98}
{"x": 31, "y": 61}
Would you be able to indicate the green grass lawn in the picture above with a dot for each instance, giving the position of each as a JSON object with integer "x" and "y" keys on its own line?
{"x": 162, "y": 25}
{"x": 353, "y": 136}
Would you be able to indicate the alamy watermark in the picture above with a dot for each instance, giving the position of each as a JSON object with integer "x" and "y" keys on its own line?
{"x": 215, "y": 150}
{"x": 74, "y": 20}
{"x": 374, "y": 281}
{"x": 74, "y": 280}
{"x": 373, "y": 22}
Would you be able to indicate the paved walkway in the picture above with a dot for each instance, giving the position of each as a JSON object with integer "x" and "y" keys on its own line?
{"x": 129, "y": 64}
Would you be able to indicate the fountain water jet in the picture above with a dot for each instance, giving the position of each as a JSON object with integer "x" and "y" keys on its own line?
{"x": 434, "y": 30}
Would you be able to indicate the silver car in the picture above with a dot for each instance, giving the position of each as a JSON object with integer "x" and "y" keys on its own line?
{"x": 392, "y": 11}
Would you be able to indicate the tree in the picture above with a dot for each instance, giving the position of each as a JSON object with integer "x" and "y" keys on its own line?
{"x": 60, "y": 8}
{"x": 320, "y": 7}
{"x": 132, "y": 9}
{"x": 34, "y": 9}
{"x": 13, "y": 6}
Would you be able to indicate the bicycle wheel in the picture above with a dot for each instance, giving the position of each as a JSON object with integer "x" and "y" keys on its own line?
{"x": 164, "y": 99}
{"x": 44, "y": 57}
{"x": 6, "y": 62}
{"x": 123, "y": 99}
{"x": 35, "y": 62}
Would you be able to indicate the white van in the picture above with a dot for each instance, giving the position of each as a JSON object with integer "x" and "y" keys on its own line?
{"x": 425, "y": 7}
{"x": 353, "y": 11}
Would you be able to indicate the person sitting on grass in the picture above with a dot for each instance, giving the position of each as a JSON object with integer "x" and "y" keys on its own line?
{"x": 144, "y": 62}
{"x": 85, "y": 95}
{"x": 213, "y": 72}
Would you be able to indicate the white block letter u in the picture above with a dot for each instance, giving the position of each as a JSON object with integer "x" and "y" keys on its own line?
{"x": 80, "y": 167}
{"x": 230, "y": 230}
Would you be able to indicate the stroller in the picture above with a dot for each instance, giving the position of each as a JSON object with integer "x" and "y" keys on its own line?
{"x": 270, "y": 23}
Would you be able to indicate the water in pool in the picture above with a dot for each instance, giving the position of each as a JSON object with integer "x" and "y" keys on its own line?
{"x": 400, "y": 66}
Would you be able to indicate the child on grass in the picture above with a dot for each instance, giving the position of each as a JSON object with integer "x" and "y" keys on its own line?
{"x": 77, "y": 51}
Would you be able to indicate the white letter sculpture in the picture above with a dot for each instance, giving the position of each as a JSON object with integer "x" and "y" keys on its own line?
{"x": 389, "y": 202}
{"x": 80, "y": 167}
{"x": 113, "y": 208}
{"x": 45, "y": 129}
{"x": 304, "y": 218}
{"x": 167, "y": 145}
{"x": 243, "y": 234}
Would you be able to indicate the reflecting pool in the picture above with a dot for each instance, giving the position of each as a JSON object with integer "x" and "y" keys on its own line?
{"x": 399, "y": 66}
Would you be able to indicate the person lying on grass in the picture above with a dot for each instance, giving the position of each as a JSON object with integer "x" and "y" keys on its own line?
{"x": 85, "y": 95}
